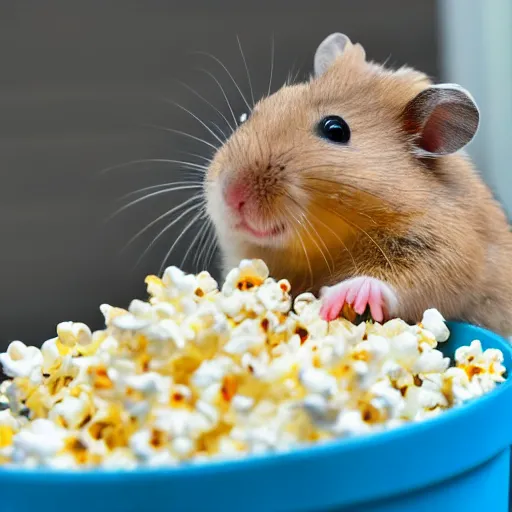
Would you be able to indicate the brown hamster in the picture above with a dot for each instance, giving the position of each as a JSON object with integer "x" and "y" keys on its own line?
{"x": 352, "y": 185}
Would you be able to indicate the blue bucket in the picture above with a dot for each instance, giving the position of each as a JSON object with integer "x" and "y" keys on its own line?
{"x": 459, "y": 461}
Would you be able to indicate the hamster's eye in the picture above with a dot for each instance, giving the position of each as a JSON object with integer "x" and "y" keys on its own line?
{"x": 335, "y": 129}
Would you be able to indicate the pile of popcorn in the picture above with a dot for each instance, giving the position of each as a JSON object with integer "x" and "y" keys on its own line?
{"x": 198, "y": 373}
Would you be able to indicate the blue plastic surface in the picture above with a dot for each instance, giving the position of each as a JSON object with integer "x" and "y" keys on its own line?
{"x": 457, "y": 461}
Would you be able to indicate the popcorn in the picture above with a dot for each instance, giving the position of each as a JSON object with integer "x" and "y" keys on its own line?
{"x": 20, "y": 360}
{"x": 51, "y": 353}
{"x": 182, "y": 447}
{"x": 109, "y": 312}
{"x": 178, "y": 283}
{"x": 274, "y": 296}
{"x": 148, "y": 444}
{"x": 205, "y": 284}
{"x": 120, "y": 459}
{"x": 248, "y": 336}
{"x": 476, "y": 362}
{"x": 434, "y": 322}
{"x": 350, "y": 423}
{"x": 197, "y": 373}
{"x": 404, "y": 349}
{"x": 212, "y": 371}
{"x": 318, "y": 381}
{"x": 41, "y": 440}
{"x": 129, "y": 322}
{"x": 385, "y": 400}
{"x": 74, "y": 333}
{"x": 430, "y": 361}
{"x": 249, "y": 274}
{"x": 242, "y": 404}
{"x": 8, "y": 420}
{"x": 72, "y": 412}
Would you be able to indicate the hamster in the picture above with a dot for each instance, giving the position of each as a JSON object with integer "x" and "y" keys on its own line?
{"x": 353, "y": 185}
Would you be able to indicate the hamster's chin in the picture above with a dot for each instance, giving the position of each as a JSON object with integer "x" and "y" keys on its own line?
{"x": 275, "y": 236}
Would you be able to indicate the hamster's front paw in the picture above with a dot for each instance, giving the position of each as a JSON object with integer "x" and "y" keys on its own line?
{"x": 358, "y": 292}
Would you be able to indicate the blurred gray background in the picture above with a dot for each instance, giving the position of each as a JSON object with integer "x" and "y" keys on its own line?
{"x": 80, "y": 83}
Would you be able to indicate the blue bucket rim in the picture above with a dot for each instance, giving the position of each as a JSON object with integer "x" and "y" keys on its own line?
{"x": 484, "y": 413}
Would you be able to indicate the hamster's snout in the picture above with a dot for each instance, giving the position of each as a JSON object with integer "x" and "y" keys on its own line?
{"x": 235, "y": 196}
{"x": 253, "y": 214}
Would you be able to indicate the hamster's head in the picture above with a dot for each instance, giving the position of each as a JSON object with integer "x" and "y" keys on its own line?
{"x": 352, "y": 149}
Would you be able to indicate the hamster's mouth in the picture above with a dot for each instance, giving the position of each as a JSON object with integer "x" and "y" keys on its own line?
{"x": 274, "y": 231}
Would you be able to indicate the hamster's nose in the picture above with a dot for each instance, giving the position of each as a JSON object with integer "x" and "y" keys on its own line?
{"x": 235, "y": 195}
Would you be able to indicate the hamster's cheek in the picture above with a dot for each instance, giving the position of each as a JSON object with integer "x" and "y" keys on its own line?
{"x": 214, "y": 170}
{"x": 218, "y": 213}
{"x": 214, "y": 203}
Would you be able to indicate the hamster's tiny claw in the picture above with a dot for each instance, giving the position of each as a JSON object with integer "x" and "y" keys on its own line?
{"x": 358, "y": 292}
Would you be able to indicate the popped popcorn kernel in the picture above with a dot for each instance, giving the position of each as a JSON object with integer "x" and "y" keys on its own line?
{"x": 75, "y": 448}
{"x": 40, "y": 440}
{"x": 434, "y": 322}
{"x": 476, "y": 362}
{"x": 6, "y": 436}
{"x": 249, "y": 274}
{"x": 205, "y": 284}
{"x": 74, "y": 333}
{"x": 20, "y": 360}
{"x": 196, "y": 372}
{"x": 109, "y": 312}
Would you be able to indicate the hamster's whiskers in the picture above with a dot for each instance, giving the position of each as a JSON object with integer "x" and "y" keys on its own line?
{"x": 191, "y": 186}
{"x": 208, "y": 248}
{"x": 308, "y": 261}
{"x": 170, "y": 187}
{"x": 210, "y": 104}
{"x": 360, "y": 229}
{"x": 223, "y": 92}
{"x": 272, "y": 59}
{"x": 203, "y": 124}
{"x": 201, "y": 215}
{"x": 201, "y": 232}
{"x": 246, "y": 69}
{"x": 235, "y": 83}
{"x": 194, "y": 167}
{"x": 184, "y": 134}
{"x": 326, "y": 226}
{"x": 342, "y": 186}
{"x": 164, "y": 230}
{"x": 304, "y": 214}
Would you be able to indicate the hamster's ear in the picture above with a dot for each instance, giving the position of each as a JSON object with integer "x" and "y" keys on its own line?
{"x": 330, "y": 48}
{"x": 444, "y": 118}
